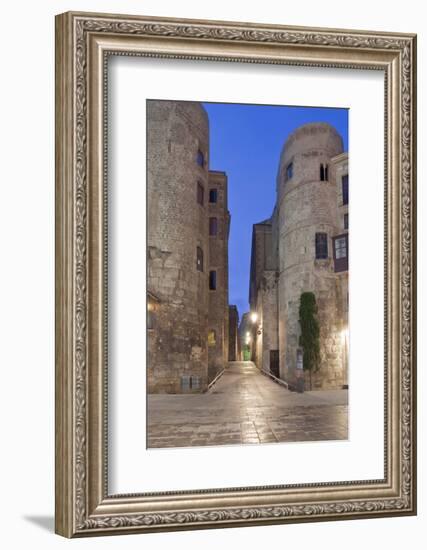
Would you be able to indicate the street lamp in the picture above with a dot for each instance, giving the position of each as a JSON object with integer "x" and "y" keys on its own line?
{"x": 254, "y": 317}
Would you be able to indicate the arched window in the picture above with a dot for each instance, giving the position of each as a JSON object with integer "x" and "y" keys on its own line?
{"x": 200, "y": 158}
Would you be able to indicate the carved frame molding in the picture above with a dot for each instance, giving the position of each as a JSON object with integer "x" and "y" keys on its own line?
{"x": 83, "y": 43}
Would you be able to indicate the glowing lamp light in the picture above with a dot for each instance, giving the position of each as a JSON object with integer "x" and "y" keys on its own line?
{"x": 254, "y": 317}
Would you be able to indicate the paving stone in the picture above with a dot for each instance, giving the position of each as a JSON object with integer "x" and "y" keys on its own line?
{"x": 245, "y": 407}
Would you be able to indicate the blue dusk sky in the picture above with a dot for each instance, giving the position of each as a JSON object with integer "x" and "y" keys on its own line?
{"x": 246, "y": 142}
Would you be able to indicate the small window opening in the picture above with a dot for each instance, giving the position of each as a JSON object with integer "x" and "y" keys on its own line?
{"x": 321, "y": 246}
{"x": 199, "y": 259}
{"x": 213, "y": 195}
{"x": 212, "y": 280}
{"x": 324, "y": 172}
{"x": 200, "y": 193}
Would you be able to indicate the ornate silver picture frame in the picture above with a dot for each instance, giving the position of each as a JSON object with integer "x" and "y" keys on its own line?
{"x": 84, "y": 43}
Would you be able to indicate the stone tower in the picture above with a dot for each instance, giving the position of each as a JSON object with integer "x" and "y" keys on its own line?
{"x": 307, "y": 221}
{"x": 178, "y": 246}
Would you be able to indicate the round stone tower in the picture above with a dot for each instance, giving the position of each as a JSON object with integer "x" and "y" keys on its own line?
{"x": 177, "y": 255}
{"x": 307, "y": 221}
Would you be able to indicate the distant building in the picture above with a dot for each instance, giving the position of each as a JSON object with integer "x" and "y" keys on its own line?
{"x": 233, "y": 341}
{"x": 263, "y": 297}
{"x": 246, "y": 337}
{"x": 303, "y": 247}
{"x": 219, "y": 228}
{"x": 187, "y": 255}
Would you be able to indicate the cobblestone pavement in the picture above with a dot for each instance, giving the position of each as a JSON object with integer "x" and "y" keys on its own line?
{"x": 245, "y": 406}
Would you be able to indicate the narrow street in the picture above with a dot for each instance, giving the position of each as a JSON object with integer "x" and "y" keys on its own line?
{"x": 244, "y": 407}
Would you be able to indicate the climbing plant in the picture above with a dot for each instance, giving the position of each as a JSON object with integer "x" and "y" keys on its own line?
{"x": 309, "y": 339}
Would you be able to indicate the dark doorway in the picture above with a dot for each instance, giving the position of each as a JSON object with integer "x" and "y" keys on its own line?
{"x": 274, "y": 362}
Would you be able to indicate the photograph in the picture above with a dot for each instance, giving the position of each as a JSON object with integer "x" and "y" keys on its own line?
{"x": 220, "y": 358}
{"x": 247, "y": 274}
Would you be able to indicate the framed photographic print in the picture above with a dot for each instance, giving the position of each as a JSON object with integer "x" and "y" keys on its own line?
{"x": 235, "y": 334}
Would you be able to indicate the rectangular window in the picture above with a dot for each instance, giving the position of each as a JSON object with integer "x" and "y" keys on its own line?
{"x": 321, "y": 246}
{"x": 200, "y": 193}
{"x": 345, "y": 221}
{"x": 341, "y": 252}
{"x": 340, "y": 248}
{"x": 213, "y": 227}
{"x": 199, "y": 259}
{"x": 344, "y": 185}
{"x": 213, "y": 195}
{"x": 212, "y": 280}
{"x": 324, "y": 172}
{"x": 289, "y": 171}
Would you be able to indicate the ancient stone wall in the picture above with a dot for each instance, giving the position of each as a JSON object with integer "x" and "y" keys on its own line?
{"x": 218, "y": 321}
{"x": 339, "y": 167}
{"x": 233, "y": 340}
{"x": 268, "y": 318}
{"x": 263, "y": 293}
{"x": 307, "y": 205}
{"x": 178, "y": 246}
{"x": 340, "y": 171}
